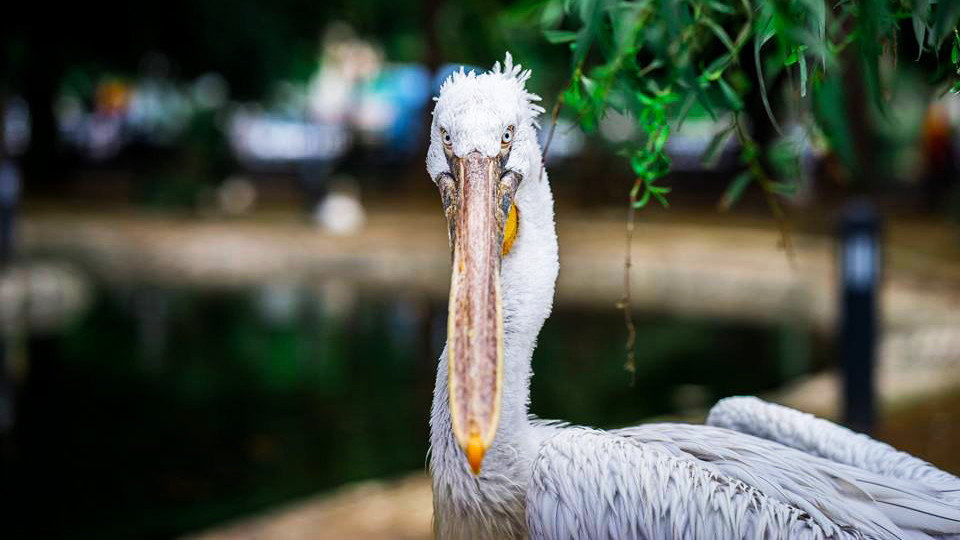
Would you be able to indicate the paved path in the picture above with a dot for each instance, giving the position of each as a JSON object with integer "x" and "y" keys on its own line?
{"x": 391, "y": 510}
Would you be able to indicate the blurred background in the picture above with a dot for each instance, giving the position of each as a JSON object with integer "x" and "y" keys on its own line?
{"x": 224, "y": 268}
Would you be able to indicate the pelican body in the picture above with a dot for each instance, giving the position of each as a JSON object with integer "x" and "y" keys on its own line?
{"x": 756, "y": 470}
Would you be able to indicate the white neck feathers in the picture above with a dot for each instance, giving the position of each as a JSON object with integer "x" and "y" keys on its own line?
{"x": 528, "y": 277}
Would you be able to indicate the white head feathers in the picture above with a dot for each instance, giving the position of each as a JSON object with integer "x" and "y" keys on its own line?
{"x": 475, "y": 109}
{"x": 511, "y": 76}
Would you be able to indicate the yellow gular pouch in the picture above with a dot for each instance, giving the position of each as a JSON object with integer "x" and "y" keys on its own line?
{"x": 510, "y": 229}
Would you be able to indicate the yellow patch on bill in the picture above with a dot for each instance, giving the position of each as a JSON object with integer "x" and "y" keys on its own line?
{"x": 510, "y": 229}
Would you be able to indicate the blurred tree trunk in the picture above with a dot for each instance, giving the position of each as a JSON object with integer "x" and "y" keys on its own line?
{"x": 434, "y": 58}
{"x": 41, "y": 83}
{"x": 857, "y": 104}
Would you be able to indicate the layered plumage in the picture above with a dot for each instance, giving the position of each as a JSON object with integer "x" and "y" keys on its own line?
{"x": 757, "y": 470}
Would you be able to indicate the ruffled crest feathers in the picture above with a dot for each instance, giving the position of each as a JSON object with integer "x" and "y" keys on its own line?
{"x": 509, "y": 72}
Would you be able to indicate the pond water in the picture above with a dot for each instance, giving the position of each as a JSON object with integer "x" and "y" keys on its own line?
{"x": 161, "y": 411}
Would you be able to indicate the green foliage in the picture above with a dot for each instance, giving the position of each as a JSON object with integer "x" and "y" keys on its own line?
{"x": 656, "y": 60}
{"x": 955, "y": 58}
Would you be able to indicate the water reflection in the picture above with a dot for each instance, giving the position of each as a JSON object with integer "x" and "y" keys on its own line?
{"x": 209, "y": 404}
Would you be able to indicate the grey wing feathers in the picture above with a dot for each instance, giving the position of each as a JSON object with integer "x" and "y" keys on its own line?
{"x": 823, "y": 438}
{"x": 831, "y": 493}
{"x": 684, "y": 481}
{"x": 595, "y": 485}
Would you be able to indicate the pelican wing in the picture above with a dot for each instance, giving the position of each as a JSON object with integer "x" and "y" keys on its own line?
{"x": 682, "y": 481}
{"x": 823, "y": 438}
{"x": 588, "y": 484}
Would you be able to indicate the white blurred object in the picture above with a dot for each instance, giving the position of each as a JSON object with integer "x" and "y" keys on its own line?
{"x": 279, "y": 302}
{"x": 337, "y": 298}
{"x": 42, "y": 298}
{"x": 210, "y": 91}
{"x": 10, "y": 183}
{"x": 71, "y": 118}
{"x": 258, "y": 137}
{"x": 345, "y": 61}
{"x": 617, "y": 127}
{"x": 236, "y": 196}
{"x": 341, "y": 212}
{"x": 808, "y": 153}
{"x": 104, "y": 136}
{"x": 374, "y": 115}
{"x": 568, "y": 140}
{"x": 16, "y": 126}
{"x": 687, "y": 146}
{"x": 158, "y": 110}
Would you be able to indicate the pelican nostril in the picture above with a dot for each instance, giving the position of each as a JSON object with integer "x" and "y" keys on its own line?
{"x": 506, "y": 191}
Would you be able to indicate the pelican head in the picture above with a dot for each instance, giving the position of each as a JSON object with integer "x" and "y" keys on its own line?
{"x": 483, "y": 146}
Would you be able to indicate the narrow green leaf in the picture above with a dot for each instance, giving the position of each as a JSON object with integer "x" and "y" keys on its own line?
{"x": 643, "y": 200}
{"x": 720, "y": 33}
{"x": 560, "y": 36}
{"x": 650, "y": 67}
{"x": 833, "y": 120}
{"x": 955, "y": 51}
{"x": 768, "y": 30}
{"x": 587, "y": 10}
{"x": 920, "y": 31}
{"x": 710, "y": 154}
{"x": 661, "y": 138}
{"x": 716, "y": 68}
{"x": 817, "y": 13}
{"x": 702, "y": 97}
{"x": 782, "y": 188}
{"x": 589, "y": 85}
{"x": 720, "y": 7}
{"x": 625, "y": 28}
{"x": 795, "y": 55}
{"x": 735, "y": 102}
{"x": 661, "y": 199}
{"x": 641, "y": 162}
{"x": 744, "y": 34}
{"x": 551, "y": 15}
{"x": 803, "y": 76}
{"x": 642, "y": 98}
{"x": 735, "y": 190}
{"x": 943, "y": 19}
{"x": 591, "y": 14}
{"x": 758, "y": 42}
{"x": 685, "y": 110}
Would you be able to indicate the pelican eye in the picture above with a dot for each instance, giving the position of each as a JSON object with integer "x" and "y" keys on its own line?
{"x": 447, "y": 139}
{"x": 507, "y": 136}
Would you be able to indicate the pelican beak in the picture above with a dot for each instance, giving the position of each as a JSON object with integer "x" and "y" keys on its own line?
{"x": 477, "y": 200}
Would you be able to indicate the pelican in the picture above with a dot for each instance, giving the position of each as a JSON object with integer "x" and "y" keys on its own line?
{"x": 756, "y": 470}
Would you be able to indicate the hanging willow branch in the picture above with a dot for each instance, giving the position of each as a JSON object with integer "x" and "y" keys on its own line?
{"x": 690, "y": 61}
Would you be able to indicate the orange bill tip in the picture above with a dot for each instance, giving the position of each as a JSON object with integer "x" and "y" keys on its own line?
{"x": 475, "y": 451}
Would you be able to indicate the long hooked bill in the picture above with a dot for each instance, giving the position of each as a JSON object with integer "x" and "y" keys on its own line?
{"x": 475, "y": 322}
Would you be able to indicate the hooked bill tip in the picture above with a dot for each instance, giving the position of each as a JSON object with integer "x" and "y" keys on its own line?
{"x": 475, "y": 451}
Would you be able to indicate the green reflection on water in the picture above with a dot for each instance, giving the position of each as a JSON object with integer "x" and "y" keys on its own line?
{"x": 163, "y": 411}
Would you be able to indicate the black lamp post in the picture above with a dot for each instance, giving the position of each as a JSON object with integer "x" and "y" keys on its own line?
{"x": 860, "y": 274}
